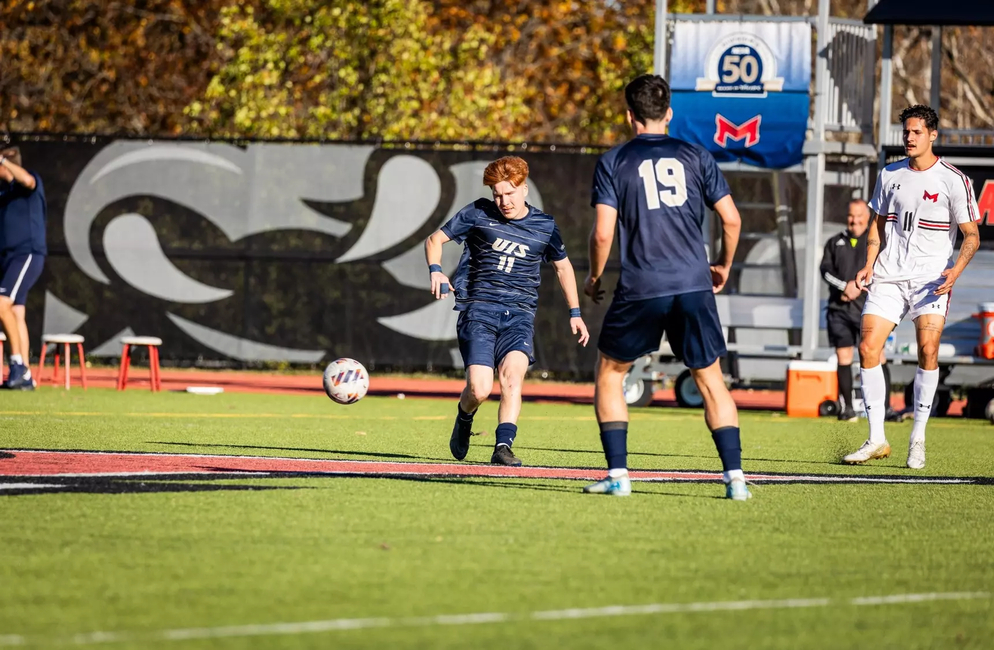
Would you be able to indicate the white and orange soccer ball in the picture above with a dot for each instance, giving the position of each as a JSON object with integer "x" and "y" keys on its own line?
{"x": 346, "y": 381}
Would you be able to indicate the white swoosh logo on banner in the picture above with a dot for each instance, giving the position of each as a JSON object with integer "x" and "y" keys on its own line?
{"x": 223, "y": 185}
{"x": 134, "y": 251}
{"x": 243, "y": 349}
{"x": 407, "y": 193}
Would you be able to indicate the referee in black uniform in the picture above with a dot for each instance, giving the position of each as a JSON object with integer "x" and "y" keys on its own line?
{"x": 845, "y": 255}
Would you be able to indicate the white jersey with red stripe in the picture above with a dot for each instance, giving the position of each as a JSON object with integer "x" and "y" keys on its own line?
{"x": 923, "y": 211}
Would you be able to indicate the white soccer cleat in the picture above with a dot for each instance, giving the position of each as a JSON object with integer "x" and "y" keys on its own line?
{"x": 618, "y": 487}
{"x": 869, "y": 451}
{"x": 916, "y": 454}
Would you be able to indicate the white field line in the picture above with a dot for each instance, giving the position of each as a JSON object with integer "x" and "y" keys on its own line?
{"x": 339, "y": 624}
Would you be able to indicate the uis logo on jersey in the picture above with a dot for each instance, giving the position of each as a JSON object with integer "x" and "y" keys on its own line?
{"x": 740, "y": 65}
{"x": 726, "y": 130}
{"x": 509, "y": 247}
{"x": 934, "y": 198}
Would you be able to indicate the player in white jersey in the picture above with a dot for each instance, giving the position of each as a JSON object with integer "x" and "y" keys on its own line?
{"x": 918, "y": 204}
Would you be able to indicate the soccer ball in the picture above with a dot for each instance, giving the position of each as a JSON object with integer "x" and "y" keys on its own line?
{"x": 989, "y": 411}
{"x": 346, "y": 381}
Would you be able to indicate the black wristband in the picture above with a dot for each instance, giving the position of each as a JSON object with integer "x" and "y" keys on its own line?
{"x": 574, "y": 312}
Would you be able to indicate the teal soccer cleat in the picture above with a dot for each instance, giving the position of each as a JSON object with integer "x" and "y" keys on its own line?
{"x": 618, "y": 487}
{"x": 736, "y": 490}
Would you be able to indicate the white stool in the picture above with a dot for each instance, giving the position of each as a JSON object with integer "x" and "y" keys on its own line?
{"x": 65, "y": 340}
{"x": 153, "y": 343}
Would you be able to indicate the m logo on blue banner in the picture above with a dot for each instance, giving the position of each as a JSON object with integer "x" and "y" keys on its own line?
{"x": 734, "y": 82}
{"x": 725, "y": 130}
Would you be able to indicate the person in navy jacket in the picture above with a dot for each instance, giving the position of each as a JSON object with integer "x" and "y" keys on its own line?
{"x": 23, "y": 213}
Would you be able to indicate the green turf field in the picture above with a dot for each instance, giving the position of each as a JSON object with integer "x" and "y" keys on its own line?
{"x": 487, "y": 562}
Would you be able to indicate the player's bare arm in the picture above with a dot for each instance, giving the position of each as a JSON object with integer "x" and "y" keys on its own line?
{"x": 875, "y": 242}
{"x": 731, "y": 226}
{"x": 599, "y": 249}
{"x": 971, "y": 242}
{"x": 567, "y": 282}
{"x": 433, "y": 255}
{"x": 11, "y": 171}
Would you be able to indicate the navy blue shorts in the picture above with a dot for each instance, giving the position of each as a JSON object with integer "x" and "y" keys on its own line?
{"x": 634, "y": 329}
{"x": 486, "y": 335}
{"x": 20, "y": 272}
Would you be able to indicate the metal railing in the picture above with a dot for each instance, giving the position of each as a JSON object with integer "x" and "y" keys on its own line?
{"x": 849, "y": 85}
{"x": 947, "y": 137}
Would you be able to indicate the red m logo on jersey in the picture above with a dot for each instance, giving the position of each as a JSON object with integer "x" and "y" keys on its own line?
{"x": 748, "y": 130}
{"x": 986, "y": 203}
{"x": 934, "y": 198}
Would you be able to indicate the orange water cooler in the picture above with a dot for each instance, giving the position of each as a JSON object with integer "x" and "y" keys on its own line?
{"x": 809, "y": 384}
{"x": 986, "y": 347}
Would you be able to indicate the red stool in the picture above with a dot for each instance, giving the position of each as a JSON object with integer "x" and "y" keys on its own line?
{"x": 64, "y": 340}
{"x": 153, "y": 343}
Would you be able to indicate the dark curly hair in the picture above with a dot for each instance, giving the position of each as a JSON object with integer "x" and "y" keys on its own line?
{"x": 648, "y": 97}
{"x": 925, "y": 113}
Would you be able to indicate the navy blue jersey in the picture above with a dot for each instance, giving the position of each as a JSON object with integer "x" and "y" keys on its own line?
{"x": 23, "y": 213}
{"x": 660, "y": 187}
{"x": 500, "y": 265}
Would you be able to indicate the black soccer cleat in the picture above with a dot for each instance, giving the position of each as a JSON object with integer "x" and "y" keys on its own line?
{"x": 894, "y": 416}
{"x": 504, "y": 456}
{"x": 847, "y": 415}
{"x": 459, "y": 442}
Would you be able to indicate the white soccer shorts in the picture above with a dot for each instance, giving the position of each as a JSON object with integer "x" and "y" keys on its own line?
{"x": 902, "y": 299}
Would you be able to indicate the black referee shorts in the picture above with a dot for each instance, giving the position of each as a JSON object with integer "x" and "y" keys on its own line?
{"x": 842, "y": 326}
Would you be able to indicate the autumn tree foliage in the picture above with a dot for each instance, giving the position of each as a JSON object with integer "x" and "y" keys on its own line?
{"x": 384, "y": 69}
{"x": 354, "y": 70}
{"x": 127, "y": 66}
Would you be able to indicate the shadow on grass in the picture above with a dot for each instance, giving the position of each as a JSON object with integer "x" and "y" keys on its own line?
{"x": 372, "y": 454}
{"x": 522, "y": 485}
{"x": 830, "y": 463}
{"x": 600, "y": 453}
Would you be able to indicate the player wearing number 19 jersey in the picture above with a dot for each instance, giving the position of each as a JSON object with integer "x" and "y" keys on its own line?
{"x": 654, "y": 190}
{"x": 496, "y": 288}
{"x": 919, "y": 204}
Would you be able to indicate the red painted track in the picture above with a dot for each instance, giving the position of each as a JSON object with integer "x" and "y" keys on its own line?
{"x": 275, "y": 383}
{"x": 54, "y": 464}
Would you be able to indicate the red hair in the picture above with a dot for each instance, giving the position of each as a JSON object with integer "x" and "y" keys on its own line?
{"x": 509, "y": 168}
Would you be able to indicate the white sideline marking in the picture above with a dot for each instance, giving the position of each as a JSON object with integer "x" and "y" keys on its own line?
{"x": 331, "y": 625}
{"x": 29, "y": 486}
{"x": 917, "y": 598}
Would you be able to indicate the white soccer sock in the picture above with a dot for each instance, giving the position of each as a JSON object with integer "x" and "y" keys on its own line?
{"x": 874, "y": 398}
{"x": 926, "y": 381}
{"x": 617, "y": 473}
{"x": 733, "y": 474}
{"x": 16, "y": 358}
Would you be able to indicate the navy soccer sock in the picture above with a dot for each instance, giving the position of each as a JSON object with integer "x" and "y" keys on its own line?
{"x": 726, "y": 439}
{"x": 505, "y": 433}
{"x": 464, "y": 419}
{"x": 614, "y": 438}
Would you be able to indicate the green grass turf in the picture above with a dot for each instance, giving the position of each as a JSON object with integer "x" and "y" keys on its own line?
{"x": 338, "y": 548}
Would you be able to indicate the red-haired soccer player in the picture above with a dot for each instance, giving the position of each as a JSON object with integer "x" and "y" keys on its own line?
{"x": 496, "y": 289}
